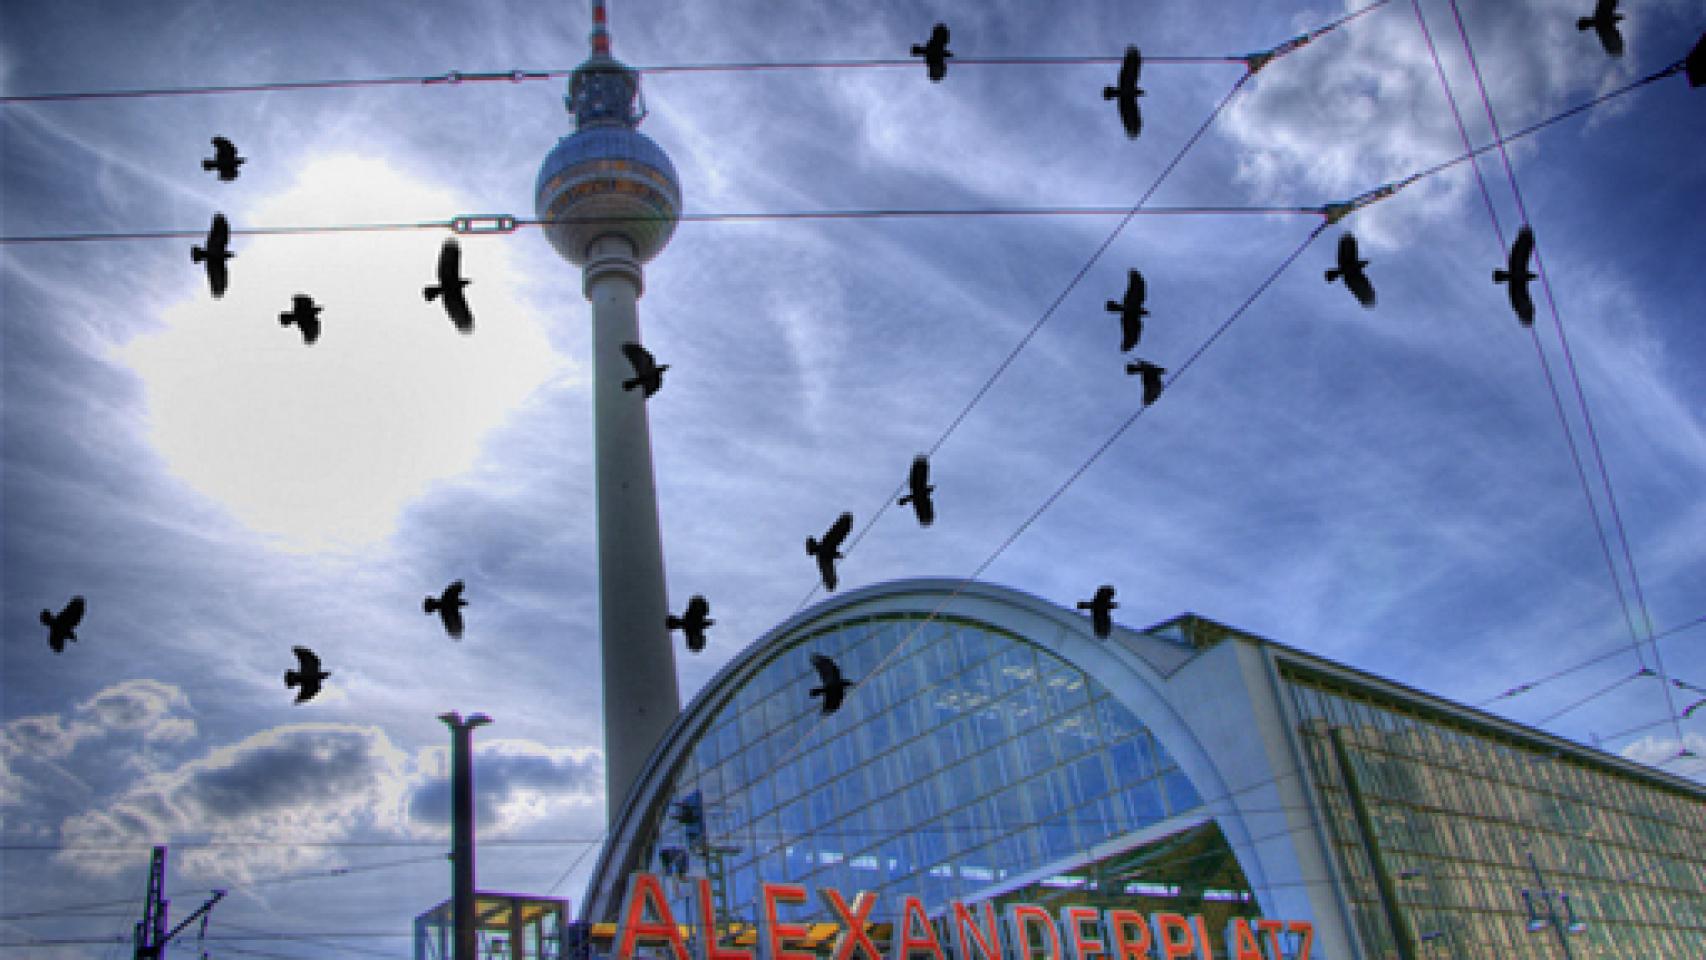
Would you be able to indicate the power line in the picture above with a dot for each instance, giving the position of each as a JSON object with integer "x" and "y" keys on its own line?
{"x": 1598, "y": 658}
{"x": 458, "y": 77}
{"x": 1575, "y": 379}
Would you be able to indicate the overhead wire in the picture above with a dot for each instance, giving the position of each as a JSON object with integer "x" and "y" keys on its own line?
{"x": 1575, "y": 379}
{"x": 1593, "y": 660}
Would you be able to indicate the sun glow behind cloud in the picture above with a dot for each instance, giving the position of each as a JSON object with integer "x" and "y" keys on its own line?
{"x": 321, "y": 446}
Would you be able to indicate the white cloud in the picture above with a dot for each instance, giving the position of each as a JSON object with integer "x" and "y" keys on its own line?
{"x": 289, "y": 785}
{"x": 323, "y": 445}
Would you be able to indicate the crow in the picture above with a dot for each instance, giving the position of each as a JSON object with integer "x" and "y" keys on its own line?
{"x": 305, "y": 314}
{"x": 1350, "y": 268}
{"x": 448, "y": 605}
{"x": 225, "y": 159}
{"x": 935, "y": 53}
{"x": 450, "y": 284}
{"x": 648, "y": 373}
{"x": 1516, "y": 276}
{"x": 834, "y": 686}
{"x": 1101, "y": 608}
{"x": 215, "y": 254}
{"x": 1694, "y": 65}
{"x": 1131, "y": 310}
{"x": 1604, "y": 23}
{"x": 1127, "y": 92}
{"x": 919, "y": 490}
{"x": 829, "y": 549}
{"x": 308, "y": 677}
{"x": 1151, "y": 374}
{"x": 692, "y": 622}
{"x": 63, "y": 626}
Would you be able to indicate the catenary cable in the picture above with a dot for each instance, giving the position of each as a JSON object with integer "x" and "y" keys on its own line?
{"x": 1575, "y": 378}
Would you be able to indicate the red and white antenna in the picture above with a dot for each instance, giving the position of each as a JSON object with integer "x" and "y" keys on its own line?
{"x": 600, "y": 36}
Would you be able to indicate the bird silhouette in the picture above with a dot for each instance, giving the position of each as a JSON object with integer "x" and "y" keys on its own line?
{"x": 918, "y": 491}
{"x": 1131, "y": 310}
{"x": 1127, "y": 92}
{"x": 1101, "y": 608}
{"x": 449, "y": 286}
{"x": 1604, "y": 23}
{"x": 692, "y": 622}
{"x": 308, "y": 676}
{"x": 1694, "y": 65}
{"x": 828, "y": 550}
{"x": 448, "y": 605}
{"x": 305, "y": 314}
{"x": 832, "y": 686}
{"x": 1350, "y": 268}
{"x": 935, "y": 53}
{"x": 648, "y": 373}
{"x": 1516, "y": 276}
{"x": 63, "y": 625}
{"x": 1151, "y": 375}
{"x": 225, "y": 159}
{"x": 215, "y": 254}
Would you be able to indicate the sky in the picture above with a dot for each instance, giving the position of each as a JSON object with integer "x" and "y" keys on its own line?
{"x": 1391, "y": 488}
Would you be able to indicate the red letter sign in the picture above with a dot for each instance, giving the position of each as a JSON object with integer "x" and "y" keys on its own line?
{"x": 775, "y": 931}
{"x": 643, "y": 888}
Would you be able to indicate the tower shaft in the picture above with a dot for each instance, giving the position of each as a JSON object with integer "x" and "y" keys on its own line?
{"x": 641, "y": 698}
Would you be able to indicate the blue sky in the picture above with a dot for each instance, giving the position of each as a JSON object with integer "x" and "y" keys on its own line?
{"x": 1389, "y": 488}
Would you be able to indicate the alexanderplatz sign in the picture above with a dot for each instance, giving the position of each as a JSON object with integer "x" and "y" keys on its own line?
{"x": 974, "y": 932}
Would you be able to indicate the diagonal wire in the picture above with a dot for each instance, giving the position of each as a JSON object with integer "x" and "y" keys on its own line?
{"x": 1584, "y": 701}
{"x": 1545, "y": 366}
{"x": 1597, "y": 658}
{"x": 1071, "y": 285}
{"x": 1575, "y": 378}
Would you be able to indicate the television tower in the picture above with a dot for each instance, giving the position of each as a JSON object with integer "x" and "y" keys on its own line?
{"x": 609, "y": 200}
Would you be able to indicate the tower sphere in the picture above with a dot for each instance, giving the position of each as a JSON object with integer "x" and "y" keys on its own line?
{"x": 607, "y": 177}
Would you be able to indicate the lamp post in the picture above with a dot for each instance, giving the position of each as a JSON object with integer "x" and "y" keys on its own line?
{"x": 1564, "y": 925}
{"x": 462, "y": 828}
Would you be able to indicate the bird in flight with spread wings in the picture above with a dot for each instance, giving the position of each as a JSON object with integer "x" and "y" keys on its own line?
{"x": 828, "y": 550}
{"x": 448, "y": 605}
{"x": 214, "y": 254}
{"x": 1131, "y": 310}
{"x": 62, "y": 626}
{"x": 1516, "y": 276}
{"x": 305, "y": 314}
{"x": 308, "y": 675}
{"x": 1350, "y": 269}
{"x": 224, "y": 159}
{"x": 832, "y": 685}
{"x": 692, "y": 622}
{"x": 1127, "y": 91}
{"x": 1101, "y": 608}
{"x": 935, "y": 52}
{"x": 918, "y": 490}
{"x": 450, "y": 286}
{"x": 1604, "y": 23}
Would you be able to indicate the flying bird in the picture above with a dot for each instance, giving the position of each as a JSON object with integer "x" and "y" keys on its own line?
{"x": 1127, "y": 92}
{"x": 448, "y": 605}
{"x": 1516, "y": 276}
{"x": 1350, "y": 268}
{"x": 1101, "y": 608}
{"x": 308, "y": 676}
{"x": 225, "y": 159}
{"x": 1131, "y": 310}
{"x": 1694, "y": 65}
{"x": 833, "y": 687}
{"x": 63, "y": 625}
{"x": 692, "y": 622}
{"x": 305, "y": 314}
{"x": 449, "y": 286}
{"x": 1604, "y": 23}
{"x": 648, "y": 373}
{"x": 215, "y": 254}
{"x": 828, "y": 550}
{"x": 918, "y": 491}
{"x": 1151, "y": 374}
{"x": 935, "y": 53}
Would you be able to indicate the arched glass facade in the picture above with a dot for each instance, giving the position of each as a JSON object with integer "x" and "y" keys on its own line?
{"x": 965, "y": 760}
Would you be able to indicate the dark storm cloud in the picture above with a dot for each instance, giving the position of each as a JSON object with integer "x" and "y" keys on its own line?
{"x": 514, "y": 785}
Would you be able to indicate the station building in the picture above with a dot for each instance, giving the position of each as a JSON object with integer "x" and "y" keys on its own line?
{"x": 995, "y": 751}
